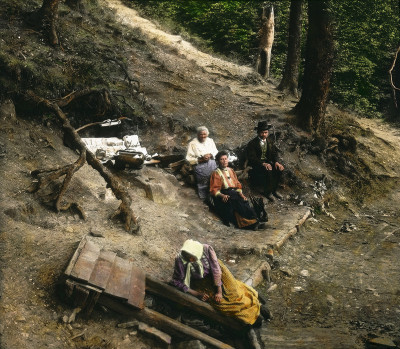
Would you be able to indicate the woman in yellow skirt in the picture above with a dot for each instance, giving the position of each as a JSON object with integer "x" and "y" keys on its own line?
{"x": 199, "y": 272}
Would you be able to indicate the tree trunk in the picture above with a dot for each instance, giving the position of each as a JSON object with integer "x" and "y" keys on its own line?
{"x": 266, "y": 34}
{"x": 49, "y": 14}
{"x": 310, "y": 111}
{"x": 290, "y": 77}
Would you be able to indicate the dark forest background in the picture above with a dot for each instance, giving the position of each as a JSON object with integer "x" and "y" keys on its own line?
{"x": 366, "y": 39}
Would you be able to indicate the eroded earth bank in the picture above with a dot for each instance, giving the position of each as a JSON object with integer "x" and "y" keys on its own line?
{"x": 334, "y": 281}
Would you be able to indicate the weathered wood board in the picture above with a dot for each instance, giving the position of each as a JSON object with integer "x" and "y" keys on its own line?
{"x": 86, "y": 262}
{"x": 102, "y": 269}
{"x": 120, "y": 279}
{"x": 137, "y": 288}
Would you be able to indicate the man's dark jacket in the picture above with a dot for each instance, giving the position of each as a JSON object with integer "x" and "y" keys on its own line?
{"x": 254, "y": 153}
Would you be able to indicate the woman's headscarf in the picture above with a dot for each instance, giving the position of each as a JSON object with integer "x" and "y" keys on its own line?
{"x": 194, "y": 248}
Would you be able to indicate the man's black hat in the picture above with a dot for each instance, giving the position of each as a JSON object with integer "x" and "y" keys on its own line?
{"x": 262, "y": 126}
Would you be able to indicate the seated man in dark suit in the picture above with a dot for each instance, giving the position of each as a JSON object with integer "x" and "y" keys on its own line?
{"x": 263, "y": 158}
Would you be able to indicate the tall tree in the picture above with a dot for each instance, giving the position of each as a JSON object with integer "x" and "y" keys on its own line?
{"x": 290, "y": 78}
{"x": 310, "y": 110}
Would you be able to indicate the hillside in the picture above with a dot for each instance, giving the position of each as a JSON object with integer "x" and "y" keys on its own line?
{"x": 351, "y": 173}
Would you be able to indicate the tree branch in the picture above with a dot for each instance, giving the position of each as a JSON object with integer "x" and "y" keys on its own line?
{"x": 47, "y": 176}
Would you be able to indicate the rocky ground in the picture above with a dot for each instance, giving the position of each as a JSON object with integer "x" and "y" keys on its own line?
{"x": 335, "y": 282}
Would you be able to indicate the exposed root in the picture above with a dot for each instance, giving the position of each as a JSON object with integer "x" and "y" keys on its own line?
{"x": 45, "y": 177}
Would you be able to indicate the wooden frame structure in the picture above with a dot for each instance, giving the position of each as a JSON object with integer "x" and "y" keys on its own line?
{"x": 95, "y": 275}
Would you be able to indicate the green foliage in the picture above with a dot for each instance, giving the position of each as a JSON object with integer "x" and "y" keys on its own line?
{"x": 367, "y": 35}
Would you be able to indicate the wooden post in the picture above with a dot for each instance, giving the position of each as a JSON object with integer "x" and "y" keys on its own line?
{"x": 162, "y": 322}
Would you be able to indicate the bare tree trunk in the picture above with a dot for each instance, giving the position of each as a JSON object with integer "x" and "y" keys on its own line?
{"x": 290, "y": 79}
{"x": 49, "y": 15}
{"x": 266, "y": 33}
{"x": 310, "y": 110}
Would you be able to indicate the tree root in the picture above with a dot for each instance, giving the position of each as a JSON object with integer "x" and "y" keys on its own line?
{"x": 45, "y": 177}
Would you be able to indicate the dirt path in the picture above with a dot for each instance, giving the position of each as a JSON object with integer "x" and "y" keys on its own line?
{"x": 131, "y": 18}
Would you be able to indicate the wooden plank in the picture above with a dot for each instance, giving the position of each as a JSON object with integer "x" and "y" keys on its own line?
{"x": 92, "y": 301}
{"x": 137, "y": 288}
{"x": 161, "y": 289}
{"x": 69, "y": 288}
{"x": 162, "y": 322}
{"x": 75, "y": 256}
{"x": 86, "y": 261}
{"x": 102, "y": 270}
{"x": 81, "y": 294}
{"x": 120, "y": 279}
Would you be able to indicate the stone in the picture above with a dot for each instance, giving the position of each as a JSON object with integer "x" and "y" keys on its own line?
{"x": 194, "y": 344}
{"x": 330, "y": 299}
{"x": 251, "y": 270}
{"x": 154, "y": 333}
{"x": 273, "y": 287}
{"x": 7, "y": 110}
{"x": 286, "y": 272}
{"x": 382, "y": 342}
{"x": 305, "y": 273}
{"x": 160, "y": 187}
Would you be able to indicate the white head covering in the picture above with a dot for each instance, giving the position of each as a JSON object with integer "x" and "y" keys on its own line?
{"x": 194, "y": 248}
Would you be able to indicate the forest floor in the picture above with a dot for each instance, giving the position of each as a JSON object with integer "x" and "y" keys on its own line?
{"x": 334, "y": 284}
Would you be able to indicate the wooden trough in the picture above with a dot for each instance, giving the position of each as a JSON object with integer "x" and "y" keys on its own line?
{"x": 95, "y": 275}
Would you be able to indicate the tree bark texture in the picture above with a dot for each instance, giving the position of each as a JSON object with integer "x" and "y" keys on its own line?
{"x": 45, "y": 177}
{"x": 290, "y": 78}
{"x": 310, "y": 111}
{"x": 49, "y": 15}
{"x": 266, "y": 34}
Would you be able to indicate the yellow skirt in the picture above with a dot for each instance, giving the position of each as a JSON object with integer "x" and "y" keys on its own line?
{"x": 238, "y": 300}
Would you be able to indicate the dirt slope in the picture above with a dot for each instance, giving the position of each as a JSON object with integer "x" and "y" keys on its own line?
{"x": 184, "y": 88}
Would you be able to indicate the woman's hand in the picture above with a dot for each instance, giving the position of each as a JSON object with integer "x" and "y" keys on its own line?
{"x": 242, "y": 196}
{"x": 224, "y": 197}
{"x": 202, "y": 296}
{"x": 267, "y": 166}
{"x": 218, "y": 295}
{"x": 279, "y": 167}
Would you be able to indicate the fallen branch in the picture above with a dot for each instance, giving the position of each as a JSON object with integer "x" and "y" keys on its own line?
{"x": 97, "y": 123}
{"x": 45, "y": 177}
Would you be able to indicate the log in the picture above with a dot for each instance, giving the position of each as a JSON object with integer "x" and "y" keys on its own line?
{"x": 163, "y": 290}
{"x": 162, "y": 322}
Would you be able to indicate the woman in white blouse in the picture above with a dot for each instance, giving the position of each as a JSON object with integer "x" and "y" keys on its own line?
{"x": 200, "y": 154}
